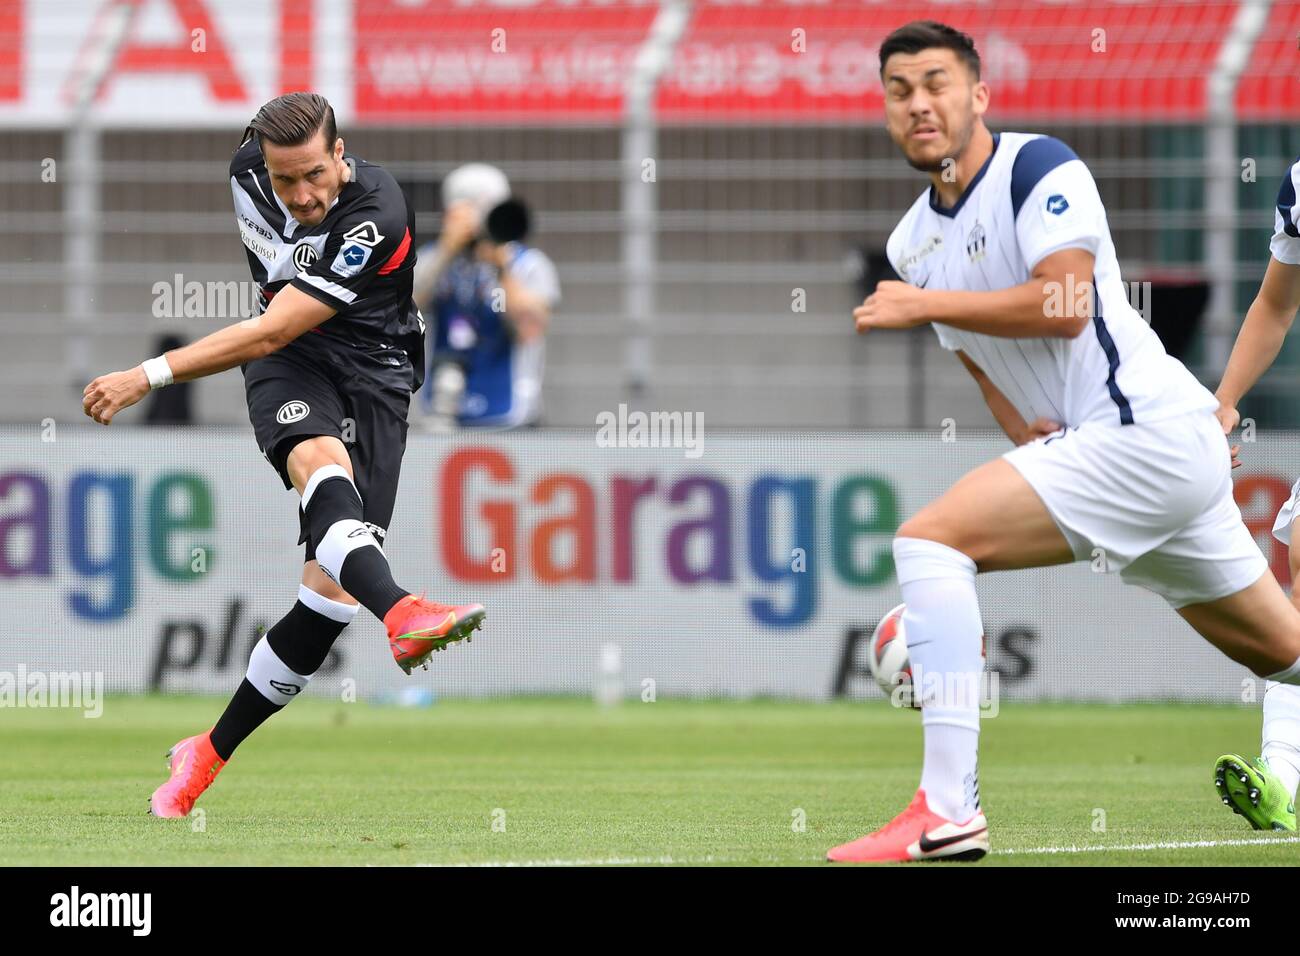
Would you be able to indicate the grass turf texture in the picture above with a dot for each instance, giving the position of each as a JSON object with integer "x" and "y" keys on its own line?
{"x": 680, "y": 781}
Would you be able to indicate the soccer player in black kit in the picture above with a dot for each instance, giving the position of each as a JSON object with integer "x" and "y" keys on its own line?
{"x": 334, "y": 355}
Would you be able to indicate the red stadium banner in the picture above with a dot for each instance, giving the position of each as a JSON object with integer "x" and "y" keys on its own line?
{"x": 1042, "y": 60}
{"x": 186, "y": 63}
{"x": 448, "y": 60}
{"x": 559, "y": 60}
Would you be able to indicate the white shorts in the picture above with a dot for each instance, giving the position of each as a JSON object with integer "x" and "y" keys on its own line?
{"x": 1287, "y": 514}
{"x": 1152, "y": 501}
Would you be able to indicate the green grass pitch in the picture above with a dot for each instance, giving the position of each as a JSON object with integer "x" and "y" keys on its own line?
{"x": 558, "y": 780}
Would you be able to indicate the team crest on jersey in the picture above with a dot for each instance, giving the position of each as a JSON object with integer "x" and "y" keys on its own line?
{"x": 975, "y": 243}
{"x": 1057, "y": 204}
{"x": 366, "y": 233}
{"x": 303, "y": 256}
{"x": 352, "y": 258}
{"x": 294, "y": 411}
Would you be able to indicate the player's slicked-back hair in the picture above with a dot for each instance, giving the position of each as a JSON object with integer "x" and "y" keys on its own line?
{"x": 926, "y": 35}
{"x": 293, "y": 119}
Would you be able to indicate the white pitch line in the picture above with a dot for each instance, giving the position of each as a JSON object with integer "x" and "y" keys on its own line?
{"x": 1139, "y": 847}
{"x": 613, "y": 861}
{"x": 1024, "y": 851}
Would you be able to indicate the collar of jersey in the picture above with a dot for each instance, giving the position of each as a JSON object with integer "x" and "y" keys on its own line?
{"x": 961, "y": 201}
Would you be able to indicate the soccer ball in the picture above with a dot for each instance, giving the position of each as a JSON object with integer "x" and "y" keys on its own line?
{"x": 889, "y": 662}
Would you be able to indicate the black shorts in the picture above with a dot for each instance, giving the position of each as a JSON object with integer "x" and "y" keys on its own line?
{"x": 293, "y": 396}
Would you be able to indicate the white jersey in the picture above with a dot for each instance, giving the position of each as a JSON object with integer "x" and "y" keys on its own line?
{"x": 1285, "y": 247}
{"x": 1033, "y": 197}
{"x": 1286, "y": 231}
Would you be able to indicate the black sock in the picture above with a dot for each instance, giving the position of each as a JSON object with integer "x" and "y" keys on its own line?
{"x": 365, "y": 573}
{"x": 302, "y": 640}
{"x": 247, "y": 711}
{"x": 366, "y": 576}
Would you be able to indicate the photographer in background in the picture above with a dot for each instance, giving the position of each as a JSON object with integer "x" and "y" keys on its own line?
{"x": 488, "y": 298}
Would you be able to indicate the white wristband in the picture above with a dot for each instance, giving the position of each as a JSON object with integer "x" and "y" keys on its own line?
{"x": 157, "y": 371}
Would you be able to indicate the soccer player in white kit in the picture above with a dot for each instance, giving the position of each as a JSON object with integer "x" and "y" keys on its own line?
{"x": 1009, "y": 256}
{"x": 1264, "y": 790}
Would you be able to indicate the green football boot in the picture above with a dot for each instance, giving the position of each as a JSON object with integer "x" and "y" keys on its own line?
{"x": 1254, "y": 792}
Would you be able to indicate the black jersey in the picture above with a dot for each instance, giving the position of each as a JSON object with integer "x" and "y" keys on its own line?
{"x": 358, "y": 260}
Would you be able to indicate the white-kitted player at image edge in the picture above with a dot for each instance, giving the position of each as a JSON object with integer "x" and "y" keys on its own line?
{"x": 1264, "y": 791}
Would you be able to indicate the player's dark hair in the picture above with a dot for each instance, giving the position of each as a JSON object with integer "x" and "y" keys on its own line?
{"x": 293, "y": 119}
{"x": 926, "y": 35}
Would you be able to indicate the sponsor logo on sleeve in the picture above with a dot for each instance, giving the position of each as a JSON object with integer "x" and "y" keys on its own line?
{"x": 1054, "y": 212}
{"x": 352, "y": 258}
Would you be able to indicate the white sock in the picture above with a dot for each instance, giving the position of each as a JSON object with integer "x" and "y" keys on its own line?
{"x": 340, "y": 540}
{"x": 1281, "y": 747}
{"x": 950, "y": 777}
{"x": 272, "y": 676}
{"x": 944, "y": 632}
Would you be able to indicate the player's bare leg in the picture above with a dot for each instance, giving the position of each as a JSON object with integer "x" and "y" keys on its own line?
{"x": 990, "y": 520}
{"x": 316, "y": 579}
{"x": 993, "y": 516}
{"x": 350, "y": 556}
{"x": 1257, "y": 627}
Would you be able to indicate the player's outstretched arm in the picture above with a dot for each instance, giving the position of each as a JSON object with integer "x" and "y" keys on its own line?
{"x": 1054, "y": 303}
{"x": 290, "y": 314}
{"x": 1267, "y": 322}
{"x": 1012, "y": 422}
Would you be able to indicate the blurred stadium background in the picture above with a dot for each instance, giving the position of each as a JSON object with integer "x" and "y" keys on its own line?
{"x": 772, "y": 183}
